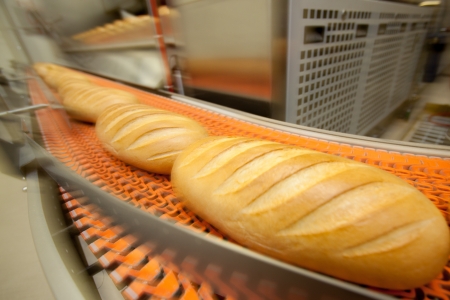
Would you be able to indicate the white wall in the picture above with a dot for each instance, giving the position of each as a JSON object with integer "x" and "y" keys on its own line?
{"x": 26, "y": 39}
{"x": 62, "y": 17}
{"x": 10, "y": 47}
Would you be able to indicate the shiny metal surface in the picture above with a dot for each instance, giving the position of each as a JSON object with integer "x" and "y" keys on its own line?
{"x": 228, "y": 45}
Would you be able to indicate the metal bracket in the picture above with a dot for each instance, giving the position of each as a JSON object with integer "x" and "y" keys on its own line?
{"x": 24, "y": 109}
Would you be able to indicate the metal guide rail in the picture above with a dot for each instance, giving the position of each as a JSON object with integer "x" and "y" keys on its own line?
{"x": 195, "y": 266}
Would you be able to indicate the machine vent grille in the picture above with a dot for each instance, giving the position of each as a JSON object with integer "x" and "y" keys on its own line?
{"x": 391, "y": 71}
{"x": 334, "y": 14}
{"x": 406, "y": 70}
{"x": 377, "y": 92}
{"x": 328, "y": 82}
{"x": 320, "y": 14}
{"x": 349, "y": 69}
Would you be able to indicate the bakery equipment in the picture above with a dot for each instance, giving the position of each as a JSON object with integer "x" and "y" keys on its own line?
{"x": 116, "y": 208}
{"x": 337, "y": 65}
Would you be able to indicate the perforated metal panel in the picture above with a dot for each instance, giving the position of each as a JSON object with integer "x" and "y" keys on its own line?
{"x": 351, "y": 63}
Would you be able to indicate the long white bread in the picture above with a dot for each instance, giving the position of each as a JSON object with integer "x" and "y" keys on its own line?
{"x": 86, "y": 103}
{"x": 57, "y": 77}
{"x": 66, "y": 76}
{"x": 72, "y": 85}
{"x": 42, "y": 68}
{"x": 147, "y": 137}
{"x": 319, "y": 211}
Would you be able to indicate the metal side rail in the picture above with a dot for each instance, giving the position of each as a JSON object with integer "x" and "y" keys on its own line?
{"x": 331, "y": 136}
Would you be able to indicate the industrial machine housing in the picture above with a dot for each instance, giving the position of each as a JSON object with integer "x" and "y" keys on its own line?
{"x": 336, "y": 65}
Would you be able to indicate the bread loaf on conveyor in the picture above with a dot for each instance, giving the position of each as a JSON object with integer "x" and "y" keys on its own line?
{"x": 68, "y": 77}
{"x": 73, "y": 85}
{"x": 147, "y": 137}
{"x": 64, "y": 77}
{"x": 42, "y": 68}
{"x": 323, "y": 212}
{"x": 56, "y": 76}
{"x": 87, "y": 103}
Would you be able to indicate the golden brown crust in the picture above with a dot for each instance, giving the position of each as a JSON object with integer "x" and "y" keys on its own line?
{"x": 147, "y": 137}
{"x": 319, "y": 211}
{"x": 71, "y": 85}
{"x": 57, "y": 77}
{"x": 86, "y": 103}
{"x": 82, "y": 99}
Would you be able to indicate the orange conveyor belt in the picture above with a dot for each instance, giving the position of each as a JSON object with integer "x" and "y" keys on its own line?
{"x": 76, "y": 145}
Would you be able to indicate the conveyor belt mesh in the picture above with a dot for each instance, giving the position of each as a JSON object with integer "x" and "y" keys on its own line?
{"x": 76, "y": 145}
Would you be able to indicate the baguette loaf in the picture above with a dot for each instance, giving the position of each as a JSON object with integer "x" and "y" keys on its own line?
{"x": 72, "y": 85}
{"x": 319, "y": 211}
{"x": 87, "y": 103}
{"x": 56, "y": 76}
{"x": 42, "y": 68}
{"x": 68, "y": 76}
{"x": 147, "y": 137}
